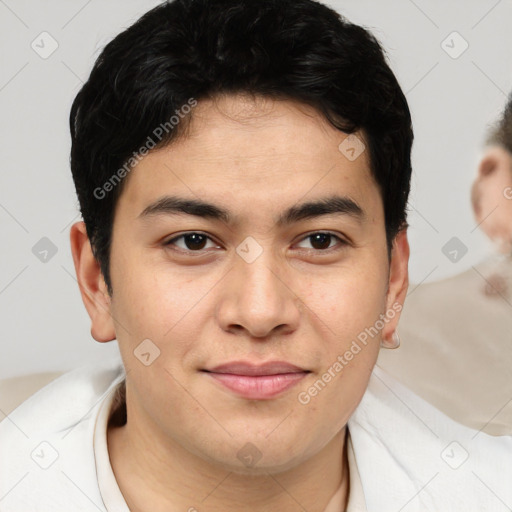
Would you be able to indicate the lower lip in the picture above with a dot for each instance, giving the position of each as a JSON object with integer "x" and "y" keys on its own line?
{"x": 258, "y": 387}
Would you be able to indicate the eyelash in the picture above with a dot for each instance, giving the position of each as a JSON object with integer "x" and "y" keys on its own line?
{"x": 342, "y": 243}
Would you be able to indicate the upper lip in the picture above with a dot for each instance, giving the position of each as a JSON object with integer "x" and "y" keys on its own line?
{"x": 254, "y": 369}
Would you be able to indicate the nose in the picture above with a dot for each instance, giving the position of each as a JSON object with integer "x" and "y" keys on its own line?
{"x": 259, "y": 299}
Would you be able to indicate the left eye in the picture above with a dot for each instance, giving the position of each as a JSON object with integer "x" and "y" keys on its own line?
{"x": 321, "y": 241}
{"x": 195, "y": 242}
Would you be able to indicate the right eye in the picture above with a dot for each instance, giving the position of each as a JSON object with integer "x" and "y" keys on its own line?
{"x": 191, "y": 242}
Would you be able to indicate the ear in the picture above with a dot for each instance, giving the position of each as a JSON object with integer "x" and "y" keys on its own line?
{"x": 397, "y": 286}
{"x": 92, "y": 285}
{"x": 495, "y": 157}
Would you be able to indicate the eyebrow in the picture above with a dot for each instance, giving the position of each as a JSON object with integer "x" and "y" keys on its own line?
{"x": 332, "y": 205}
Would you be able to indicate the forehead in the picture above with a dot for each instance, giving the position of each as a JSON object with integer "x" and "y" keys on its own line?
{"x": 255, "y": 153}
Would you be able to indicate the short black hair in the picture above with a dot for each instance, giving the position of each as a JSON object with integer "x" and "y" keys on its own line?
{"x": 188, "y": 50}
{"x": 501, "y": 132}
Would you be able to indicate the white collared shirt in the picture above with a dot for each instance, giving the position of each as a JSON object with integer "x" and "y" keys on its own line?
{"x": 403, "y": 453}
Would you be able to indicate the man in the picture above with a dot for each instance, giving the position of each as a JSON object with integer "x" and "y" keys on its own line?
{"x": 243, "y": 170}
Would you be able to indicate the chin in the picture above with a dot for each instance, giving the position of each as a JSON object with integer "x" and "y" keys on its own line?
{"x": 269, "y": 463}
{"x": 248, "y": 454}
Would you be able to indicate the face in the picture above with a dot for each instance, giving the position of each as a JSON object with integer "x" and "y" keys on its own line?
{"x": 255, "y": 307}
{"x": 492, "y": 197}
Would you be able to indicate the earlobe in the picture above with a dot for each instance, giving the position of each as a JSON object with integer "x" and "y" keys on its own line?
{"x": 92, "y": 285}
{"x": 397, "y": 289}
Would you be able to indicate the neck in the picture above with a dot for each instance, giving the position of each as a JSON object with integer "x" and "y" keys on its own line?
{"x": 152, "y": 469}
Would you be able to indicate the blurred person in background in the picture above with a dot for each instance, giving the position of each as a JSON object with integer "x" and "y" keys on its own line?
{"x": 456, "y": 333}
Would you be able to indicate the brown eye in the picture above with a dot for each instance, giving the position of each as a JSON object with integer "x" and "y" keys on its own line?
{"x": 191, "y": 241}
{"x": 322, "y": 241}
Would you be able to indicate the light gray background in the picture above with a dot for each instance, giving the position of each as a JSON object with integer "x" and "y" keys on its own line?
{"x": 44, "y": 325}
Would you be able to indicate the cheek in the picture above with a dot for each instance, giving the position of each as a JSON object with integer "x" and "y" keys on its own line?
{"x": 505, "y": 195}
{"x": 156, "y": 337}
{"x": 157, "y": 307}
{"x": 149, "y": 295}
{"x": 350, "y": 298}
{"x": 495, "y": 215}
{"x": 352, "y": 306}
{"x": 348, "y": 312}
{"x": 507, "y": 210}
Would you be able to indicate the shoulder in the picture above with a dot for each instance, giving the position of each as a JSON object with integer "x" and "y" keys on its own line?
{"x": 405, "y": 444}
{"x": 46, "y": 443}
{"x": 456, "y": 349}
{"x": 471, "y": 287}
{"x": 15, "y": 390}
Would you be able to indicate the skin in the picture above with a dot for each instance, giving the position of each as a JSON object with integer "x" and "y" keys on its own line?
{"x": 296, "y": 302}
{"x": 491, "y": 197}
